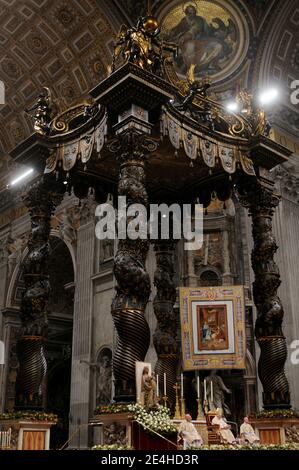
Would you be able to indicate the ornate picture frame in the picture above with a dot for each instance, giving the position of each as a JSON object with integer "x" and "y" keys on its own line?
{"x": 213, "y": 327}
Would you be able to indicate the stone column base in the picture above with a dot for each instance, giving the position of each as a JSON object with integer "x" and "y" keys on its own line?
{"x": 27, "y": 434}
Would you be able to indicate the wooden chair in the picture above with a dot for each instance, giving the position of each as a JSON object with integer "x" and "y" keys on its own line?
{"x": 214, "y": 436}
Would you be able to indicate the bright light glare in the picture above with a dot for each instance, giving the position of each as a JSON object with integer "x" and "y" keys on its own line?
{"x": 21, "y": 177}
{"x": 268, "y": 96}
{"x": 232, "y": 106}
{"x": 65, "y": 182}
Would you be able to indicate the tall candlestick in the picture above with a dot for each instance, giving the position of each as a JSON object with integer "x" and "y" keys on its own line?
{"x": 182, "y": 386}
{"x": 182, "y": 408}
{"x": 212, "y": 396}
{"x": 165, "y": 392}
{"x": 205, "y": 388}
{"x": 177, "y": 404}
{"x": 157, "y": 381}
{"x": 198, "y": 389}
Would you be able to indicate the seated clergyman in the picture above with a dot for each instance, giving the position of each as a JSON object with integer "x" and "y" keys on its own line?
{"x": 227, "y": 436}
{"x": 247, "y": 432}
{"x": 188, "y": 432}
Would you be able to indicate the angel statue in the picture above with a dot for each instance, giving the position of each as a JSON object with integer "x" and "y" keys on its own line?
{"x": 42, "y": 112}
{"x": 253, "y": 113}
{"x": 138, "y": 44}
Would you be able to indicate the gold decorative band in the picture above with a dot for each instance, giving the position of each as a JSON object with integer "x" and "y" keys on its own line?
{"x": 270, "y": 338}
{"x": 168, "y": 356}
{"x": 32, "y": 338}
{"x": 127, "y": 310}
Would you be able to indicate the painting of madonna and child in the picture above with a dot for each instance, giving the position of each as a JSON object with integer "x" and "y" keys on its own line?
{"x": 207, "y": 35}
{"x": 212, "y": 327}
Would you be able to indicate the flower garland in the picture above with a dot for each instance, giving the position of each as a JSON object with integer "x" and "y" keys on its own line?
{"x": 113, "y": 408}
{"x": 112, "y": 447}
{"x": 282, "y": 413}
{"x": 155, "y": 420}
{"x": 29, "y": 415}
{"x": 291, "y": 446}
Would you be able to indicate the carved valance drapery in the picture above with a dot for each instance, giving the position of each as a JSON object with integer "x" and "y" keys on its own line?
{"x": 209, "y": 151}
{"x": 66, "y": 155}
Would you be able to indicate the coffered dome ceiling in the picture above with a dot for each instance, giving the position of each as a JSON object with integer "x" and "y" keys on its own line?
{"x": 277, "y": 62}
{"x": 64, "y": 45}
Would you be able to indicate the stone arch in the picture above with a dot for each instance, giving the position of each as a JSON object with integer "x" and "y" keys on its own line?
{"x": 60, "y": 319}
{"x": 16, "y": 274}
{"x": 209, "y": 276}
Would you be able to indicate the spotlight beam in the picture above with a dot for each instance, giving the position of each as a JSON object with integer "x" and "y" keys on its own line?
{"x": 21, "y": 177}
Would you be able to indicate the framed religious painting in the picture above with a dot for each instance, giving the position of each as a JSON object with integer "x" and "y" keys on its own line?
{"x": 213, "y": 327}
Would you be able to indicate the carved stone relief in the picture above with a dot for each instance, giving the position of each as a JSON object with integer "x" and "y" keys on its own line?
{"x": 115, "y": 433}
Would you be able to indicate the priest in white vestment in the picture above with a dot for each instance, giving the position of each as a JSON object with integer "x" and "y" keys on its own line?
{"x": 188, "y": 432}
{"x": 247, "y": 432}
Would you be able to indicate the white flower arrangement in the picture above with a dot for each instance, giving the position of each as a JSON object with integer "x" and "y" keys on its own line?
{"x": 155, "y": 420}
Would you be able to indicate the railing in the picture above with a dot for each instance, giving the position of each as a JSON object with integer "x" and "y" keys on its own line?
{"x": 5, "y": 438}
{"x": 77, "y": 432}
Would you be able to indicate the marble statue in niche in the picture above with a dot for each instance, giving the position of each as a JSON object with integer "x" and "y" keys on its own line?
{"x": 107, "y": 249}
{"x": 104, "y": 377}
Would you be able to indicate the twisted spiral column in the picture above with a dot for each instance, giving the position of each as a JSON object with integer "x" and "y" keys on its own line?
{"x": 271, "y": 371}
{"x": 32, "y": 371}
{"x": 30, "y": 384}
{"x": 165, "y": 334}
{"x": 261, "y": 202}
{"x": 133, "y": 282}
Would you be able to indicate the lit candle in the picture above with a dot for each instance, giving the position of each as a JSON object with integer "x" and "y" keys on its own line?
{"x": 212, "y": 397}
{"x": 182, "y": 386}
{"x": 165, "y": 392}
{"x": 198, "y": 389}
{"x": 205, "y": 388}
{"x": 157, "y": 380}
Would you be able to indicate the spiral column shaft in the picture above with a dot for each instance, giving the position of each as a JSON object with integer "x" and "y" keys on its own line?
{"x": 133, "y": 282}
{"x": 261, "y": 203}
{"x": 30, "y": 384}
{"x": 165, "y": 334}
